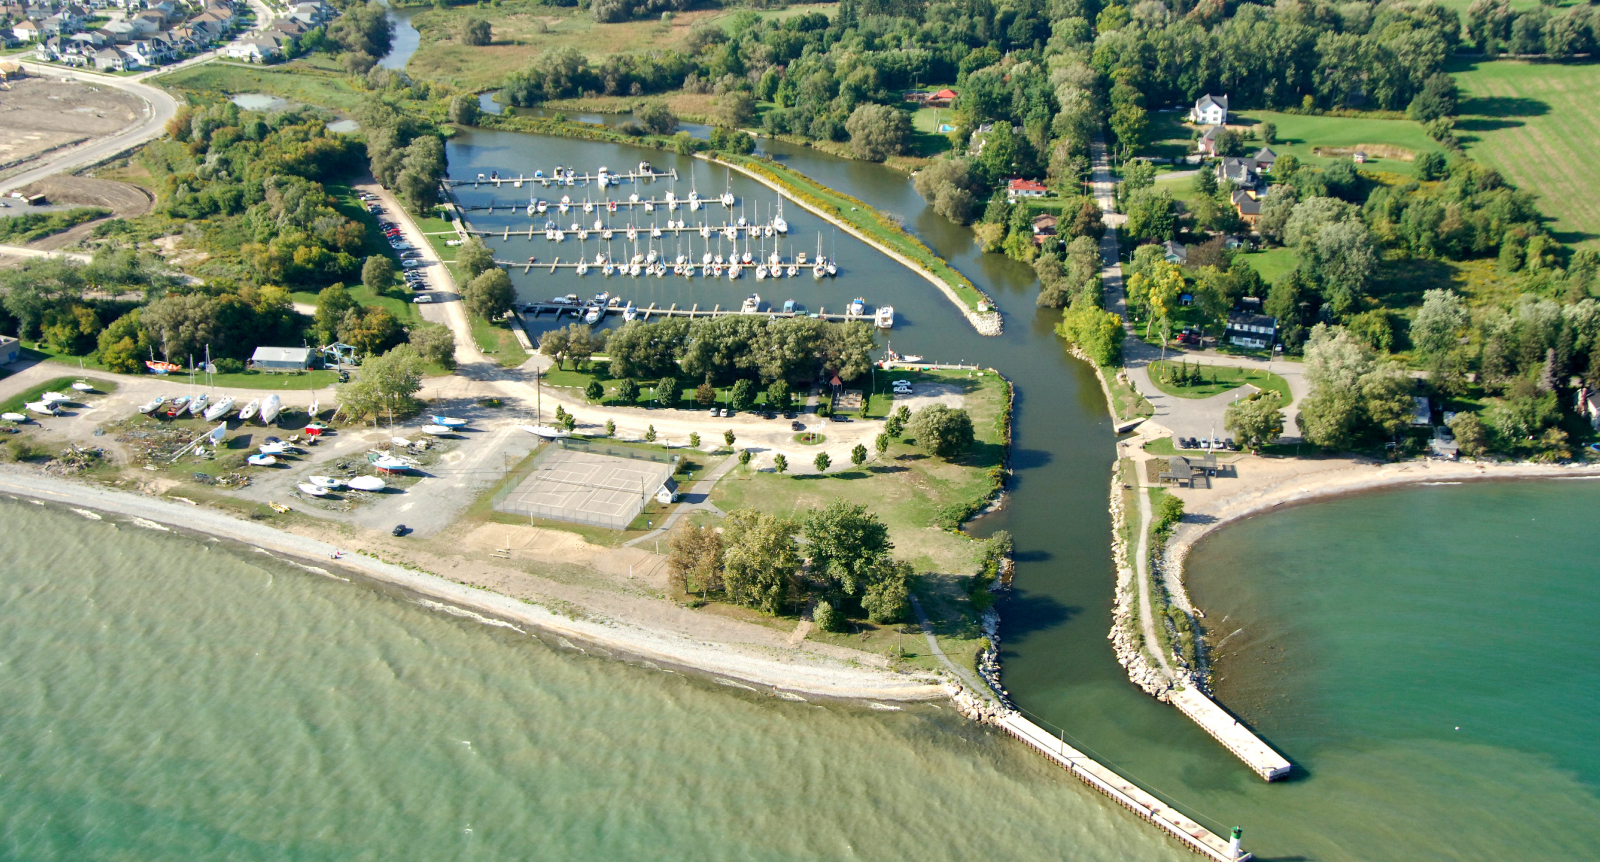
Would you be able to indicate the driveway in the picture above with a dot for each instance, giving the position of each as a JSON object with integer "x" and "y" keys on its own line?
{"x": 1201, "y": 417}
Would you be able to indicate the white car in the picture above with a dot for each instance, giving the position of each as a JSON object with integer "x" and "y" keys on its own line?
{"x": 423, "y": 298}
{"x": 902, "y": 390}
{"x": 900, "y": 383}
{"x": 410, "y": 263}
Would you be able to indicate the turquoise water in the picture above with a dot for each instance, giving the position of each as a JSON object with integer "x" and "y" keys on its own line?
{"x": 167, "y": 698}
{"x": 1428, "y": 657}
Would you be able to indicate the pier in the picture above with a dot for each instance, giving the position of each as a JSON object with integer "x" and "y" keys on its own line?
{"x": 1194, "y": 836}
{"x": 553, "y": 208}
{"x": 535, "y": 309}
{"x": 644, "y": 232}
{"x": 1227, "y": 730}
{"x": 565, "y": 180}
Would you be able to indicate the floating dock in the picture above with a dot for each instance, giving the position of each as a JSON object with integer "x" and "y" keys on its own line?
{"x": 527, "y": 266}
{"x": 534, "y": 309}
{"x": 520, "y": 180}
{"x": 1194, "y": 836}
{"x": 1227, "y": 730}
{"x": 644, "y": 232}
{"x": 552, "y": 208}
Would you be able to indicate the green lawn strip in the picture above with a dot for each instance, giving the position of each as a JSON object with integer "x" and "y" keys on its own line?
{"x": 495, "y": 339}
{"x": 1219, "y": 379}
{"x": 878, "y": 405}
{"x": 1129, "y": 402}
{"x": 247, "y": 380}
{"x": 868, "y": 220}
{"x": 1161, "y": 446}
{"x": 1301, "y": 133}
{"x": 17, "y": 403}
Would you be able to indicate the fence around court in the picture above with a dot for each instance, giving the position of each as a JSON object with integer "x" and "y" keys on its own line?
{"x": 505, "y": 499}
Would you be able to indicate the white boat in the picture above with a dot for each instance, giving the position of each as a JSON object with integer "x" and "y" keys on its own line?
{"x": 270, "y": 409}
{"x": 41, "y": 407}
{"x": 546, "y": 431}
{"x": 752, "y": 304}
{"x": 54, "y": 398}
{"x": 274, "y": 448}
{"x": 247, "y": 412}
{"x": 261, "y": 460}
{"x": 327, "y": 482}
{"x": 832, "y": 270}
{"x": 219, "y": 409}
{"x": 154, "y": 405}
{"x": 14, "y": 417}
{"x": 630, "y": 312}
{"x": 83, "y": 386}
{"x": 388, "y": 464}
{"x": 858, "y": 306}
{"x": 449, "y": 422}
{"x": 778, "y": 224}
{"x": 312, "y": 490}
{"x": 437, "y": 430}
{"x": 197, "y": 407}
{"x": 818, "y": 271}
{"x": 885, "y": 317}
{"x": 367, "y": 483}
{"x": 314, "y": 409}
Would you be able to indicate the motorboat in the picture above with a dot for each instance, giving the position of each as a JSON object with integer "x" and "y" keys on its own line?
{"x": 449, "y": 422}
{"x": 219, "y": 409}
{"x": 541, "y": 207}
{"x": 546, "y": 431}
{"x": 311, "y": 490}
{"x": 388, "y": 463}
{"x": 788, "y": 306}
{"x": 197, "y": 405}
{"x": 54, "y": 398}
{"x": 630, "y": 312}
{"x": 261, "y": 460}
{"x": 41, "y": 407}
{"x": 274, "y": 448}
{"x": 645, "y": 169}
{"x": 367, "y": 483}
{"x": 592, "y": 315}
{"x": 885, "y": 317}
{"x": 818, "y": 270}
{"x": 328, "y": 482}
{"x": 83, "y": 386}
{"x": 752, "y": 304}
{"x": 437, "y": 430}
{"x": 14, "y": 417}
{"x": 858, "y": 306}
{"x": 270, "y": 409}
{"x": 153, "y": 405}
{"x": 176, "y": 406}
{"x": 248, "y": 412}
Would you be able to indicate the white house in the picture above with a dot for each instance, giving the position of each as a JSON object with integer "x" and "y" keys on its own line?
{"x": 147, "y": 23}
{"x": 1210, "y": 110}
{"x": 27, "y": 31}
{"x": 121, "y": 31}
{"x": 111, "y": 60}
{"x": 1026, "y": 189}
{"x": 258, "y": 50}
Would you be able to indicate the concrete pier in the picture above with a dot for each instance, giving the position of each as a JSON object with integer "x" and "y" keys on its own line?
{"x": 1194, "y": 836}
{"x": 1227, "y": 730}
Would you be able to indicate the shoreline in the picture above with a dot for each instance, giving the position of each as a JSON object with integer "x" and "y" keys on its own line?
{"x": 802, "y": 673}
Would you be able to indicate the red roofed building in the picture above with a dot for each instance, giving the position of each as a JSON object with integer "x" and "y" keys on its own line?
{"x": 1025, "y": 189}
{"x": 943, "y": 98}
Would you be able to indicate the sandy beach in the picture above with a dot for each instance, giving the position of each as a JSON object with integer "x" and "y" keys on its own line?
{"x": 750, "y": 659}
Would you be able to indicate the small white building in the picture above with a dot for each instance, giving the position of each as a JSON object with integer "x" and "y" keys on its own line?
{"x": 283, "y": 359}
{"x": 1210, "y": 110}
{"x": 10, "y": 350}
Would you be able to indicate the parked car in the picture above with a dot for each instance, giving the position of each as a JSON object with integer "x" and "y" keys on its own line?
{"x": 423, "y": 298}
{"x": 713, "y": 411}
{"x": 797, "y": 426}
{"x": 410, "y": 263}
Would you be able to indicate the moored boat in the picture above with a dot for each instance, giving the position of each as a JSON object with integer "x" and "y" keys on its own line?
{"x": 885, "y": 317}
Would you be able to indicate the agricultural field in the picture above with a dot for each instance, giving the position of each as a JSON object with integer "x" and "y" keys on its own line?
{"x": 1536, "y": 123}
{"x": 524, "y": 29}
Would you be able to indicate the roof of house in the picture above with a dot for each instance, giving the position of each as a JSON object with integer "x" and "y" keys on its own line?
{"x": 1176, "y": 249}
{"x": 1250, "y": 318}
{"x": 945, "y": 94}
{"x": 26, "y": 25}
{"x": 1027, "y": 186}
{"x": 1265, "y": 156}
{"x": 281, "y": 354}
{"x": 1209, "y": 100}
{"x": 1247, "y": 204}
{"x": 1044, "y": 220}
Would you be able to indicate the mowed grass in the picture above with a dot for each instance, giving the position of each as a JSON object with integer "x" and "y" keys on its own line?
{"x": 296, "y": 81}
{"x": 1536, "y": 124}
{"x": 1271, "y": 264}
{"x": 524, "y": 29}
{"x": 1300, "y": 134}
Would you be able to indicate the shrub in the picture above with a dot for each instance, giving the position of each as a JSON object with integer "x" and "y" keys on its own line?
{"x": 826, "y": 617}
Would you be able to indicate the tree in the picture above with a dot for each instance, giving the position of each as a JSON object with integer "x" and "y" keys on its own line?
{"x": 1269, "y": 133}
{"x": 822, "y": 462}
{"x": 627, "y": 391}
{"x": 332, "y": 305}
{"x": 668, "y": 391}
{"x": 887, "y": 594}
{"x": 694, "y": 440}
{"x": 760, "y": 559}
{"x": 1256, "y": 420}
{"x": 594, "y": 391}
{"x": 744, "y": 457}
{"x": 656, "y": 117}
{"x": 825, "y": 617}
{"x": 476, "y": 32}
{"x": 780, "y": 463}
{"x": 1097, "y": 332}
{"x": 568, "y": 422}
{"x": 845, "y": 542}
{"x": 778, "y": 395}
{"x": 384, "y": 383}
{"x": 490, "y": 294}
{"x": 474, "y": 257}
{"x": 881, "y": 443}
{"x": 611, "y": 428}
{"x": 705, "y": 394}
{"x": 435, "y": 343}
{"x": 650, "y": 434}
{"x": 744, "y": 394}
{"x": 878, "y": 131}
{"x": 733, "y": 109}
{"x": 943, "y": 431}
{"x": 124, "y": 344}
{"x": 377, "y": 274}
{"x": 858, "y": 455}
{"x": 728, "y": 438}
{"x": 695, "y": 558}
{"x": 1437, "y": 99}
{"x": 464, "y": 110}
{"x": 1151, "y": 215}
{"x": 1439, "y": 322}
{"x": 951, "y": 188}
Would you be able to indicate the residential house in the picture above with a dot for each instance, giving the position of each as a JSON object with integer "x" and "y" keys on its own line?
{"x": 1248, "y": 329}
{"x": 1264, "y": 158}
{"x": 112, "y": 60}
{"x": 1239, "y": 171}
{"x": 1044, "y": 225}
{"x": 92, "y": 39}
{"x": 153, "y": 51}
{"x": 224, "y": 14}
{"x": 184, "y": 40}
{"x": 121, "y": 31}
{"x": 57, "y": 25}
{"x": 1025, "y": 189}
{"x": 167, "y": 8}
{"x": 262, "y": 49}
{"x": 943, "y": 99}
{"x": 25, "y": 31}
{"x": 315, "y": 14}
{"x": 1210, "y": 110}
{"x": 290, "y": 26}
{"x": 209, "y": 24}
{"x": 1175, "y": 252}
{"x": 1248, "y": 204}
{"x": 1207, "y": 145}
{"x": 147, "y": 23}
{"x": 1588, "y": 405}
{"x": 76, "y": 14}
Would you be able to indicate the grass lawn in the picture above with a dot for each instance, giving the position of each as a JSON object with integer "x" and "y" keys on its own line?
{"x": 1219, "y": 379}
{"x": 1272, "y": 264}
{"x": 1161, "y": 446}
{"x": 298, "y": 81}
{"x": 1300, "y": 134}
{"x": 497, "y": 341}
{"x": 926, "y": 139}
{"x": 63, "y": 385}
{"x": 247, "y": 380}
{"x": 1536, "y": 123}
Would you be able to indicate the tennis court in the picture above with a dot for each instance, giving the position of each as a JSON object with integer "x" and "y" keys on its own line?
{"x": 584, "y": 487}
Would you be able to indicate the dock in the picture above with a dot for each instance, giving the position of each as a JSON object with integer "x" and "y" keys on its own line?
{"x": 1194, "y": 836}
{"x": 535, "y": 309}
{"x": 520, "y": 180}
{"x": 1226, "y": 729}
{"x": 641, "y": 231}
{"x": 553, "y": 208}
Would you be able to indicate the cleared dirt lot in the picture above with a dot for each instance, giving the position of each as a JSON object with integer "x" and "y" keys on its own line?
{"x": 42, "y": 114}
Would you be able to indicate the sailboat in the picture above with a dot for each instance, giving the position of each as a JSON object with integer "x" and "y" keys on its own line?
{"x": 153, "y": 405}
{"x": 727, "y": 196}
{"x": 248, "y": 412}
{"x": 778, "y": 224}
{"x": 83, "y": 386}
{"x": 197, "y": 406}
{"x": 219, "y": 409}
{"x": 270, "y": 409}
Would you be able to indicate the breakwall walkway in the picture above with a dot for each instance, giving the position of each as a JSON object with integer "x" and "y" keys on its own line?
{"x": 1194, "y": 836}
{"x": 1227, "y": 730}
{"x": 986, "y": 323}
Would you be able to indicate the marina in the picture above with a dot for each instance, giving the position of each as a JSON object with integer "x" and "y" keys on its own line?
{"x": 562, "y": 177}
{"x": 535, "y": 309}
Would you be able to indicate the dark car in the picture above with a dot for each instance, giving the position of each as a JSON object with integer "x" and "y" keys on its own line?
{"x": 400, "y": 529}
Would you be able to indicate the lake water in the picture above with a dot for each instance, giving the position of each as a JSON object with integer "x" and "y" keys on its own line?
{"x": 405, "y": 40}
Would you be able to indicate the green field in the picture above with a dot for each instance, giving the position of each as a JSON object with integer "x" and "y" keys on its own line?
{"x": 1535, "y": 122}
{"x": 299, "y": 81}
{"x": 1300, "y": 134}
{"x": 1218, "y": 379}
{"x": 1272, "y": 264}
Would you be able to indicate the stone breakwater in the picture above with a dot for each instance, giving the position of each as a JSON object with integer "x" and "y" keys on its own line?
{"x": 1126, "y": 641}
